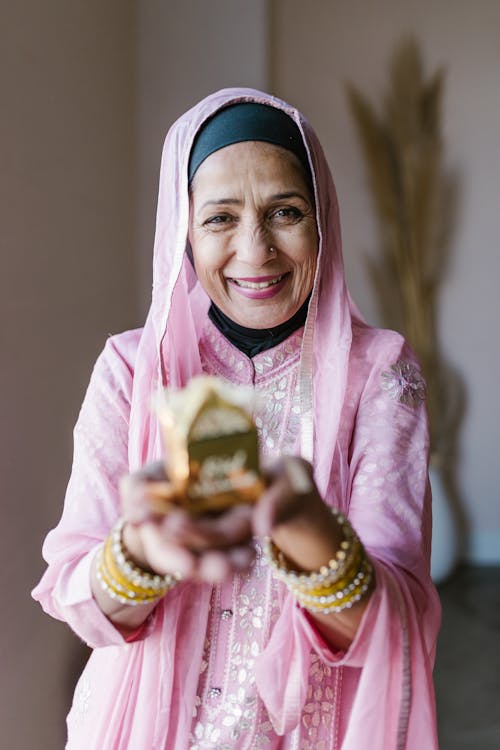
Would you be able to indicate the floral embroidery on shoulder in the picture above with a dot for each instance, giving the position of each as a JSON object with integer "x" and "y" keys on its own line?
{"x": 404, "y": 383}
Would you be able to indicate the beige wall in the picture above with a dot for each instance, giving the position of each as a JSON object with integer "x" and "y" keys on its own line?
{"x": 66, "y": 281}
{"x": 184, "y": 52}
{"x": 88, "y": 91}
{"x": 318, "y": 46}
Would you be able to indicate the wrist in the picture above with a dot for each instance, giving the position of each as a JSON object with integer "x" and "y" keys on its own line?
{"x": 122, "y": 579}
{"x": 131, "y": 540}
{"x": 335, "y": 586}
{"x": 309, "y": 542}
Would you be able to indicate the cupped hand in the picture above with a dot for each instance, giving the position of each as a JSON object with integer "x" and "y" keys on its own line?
{"x": 211, "y": 548}
{"x": 208, "y": 548}
{"x": 292, "y": 512}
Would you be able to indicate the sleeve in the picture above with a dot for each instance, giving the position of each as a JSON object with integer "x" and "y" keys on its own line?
{"x": 91, "y": 505}
{"x": 389, "y": 506}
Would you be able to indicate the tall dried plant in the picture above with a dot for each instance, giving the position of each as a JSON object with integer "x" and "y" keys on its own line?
{"x": 403, "y": 152}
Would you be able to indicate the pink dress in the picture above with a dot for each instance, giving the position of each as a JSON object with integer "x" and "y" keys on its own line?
{"x": 241, "y": 665}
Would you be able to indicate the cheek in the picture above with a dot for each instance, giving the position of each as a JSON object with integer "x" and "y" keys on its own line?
{"x": 313, "y": 250}
{"x": 306, "y": 253}
{"x": 310, "y": 273}
{"x": 301, "y": 241}
{"x": 309, "y": 264}
{"x": 203, "y": 258}
{"x": 208, "y": 266}
{"x": 205, "y": 272}
{"x": 209, "y": 254}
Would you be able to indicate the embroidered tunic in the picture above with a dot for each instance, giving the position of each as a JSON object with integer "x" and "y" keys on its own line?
{"x": 229, "y": 712}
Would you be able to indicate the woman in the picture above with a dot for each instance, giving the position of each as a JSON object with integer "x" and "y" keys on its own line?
{"x": 249, "y": 285}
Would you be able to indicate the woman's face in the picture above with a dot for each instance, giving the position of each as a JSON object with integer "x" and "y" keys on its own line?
{"x": 253, "y": 232}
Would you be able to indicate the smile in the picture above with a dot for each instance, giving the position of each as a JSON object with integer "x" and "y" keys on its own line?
{"x": 248, "y": 284}
{"x": 260, "y": 287}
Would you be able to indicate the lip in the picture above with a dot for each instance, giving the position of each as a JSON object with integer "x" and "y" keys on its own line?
{"x": 266, "y": 292}
{"x": 257, "y": 279}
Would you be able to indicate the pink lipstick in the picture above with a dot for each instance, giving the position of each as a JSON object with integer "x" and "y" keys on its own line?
{"x": 259, "y": 287}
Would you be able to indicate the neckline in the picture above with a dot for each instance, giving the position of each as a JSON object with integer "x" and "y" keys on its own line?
{"x": 252, "y": 341}
{"x": 229, "y": 362}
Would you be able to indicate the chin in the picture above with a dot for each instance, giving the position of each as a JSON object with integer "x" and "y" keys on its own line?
{"x": 263, "y": 321}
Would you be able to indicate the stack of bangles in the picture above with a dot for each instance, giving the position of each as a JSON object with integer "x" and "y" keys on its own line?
{"x": 334, "y": 587}
{"x": 125, "y": 581}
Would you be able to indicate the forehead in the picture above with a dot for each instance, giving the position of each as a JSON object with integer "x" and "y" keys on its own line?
{"x": 254, "y": 162}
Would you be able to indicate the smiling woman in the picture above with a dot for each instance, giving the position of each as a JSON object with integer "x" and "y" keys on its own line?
{"x": 305, "y": 621}
{"x": 253, "y": 233}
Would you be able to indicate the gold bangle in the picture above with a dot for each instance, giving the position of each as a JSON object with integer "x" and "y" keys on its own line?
{"x": 335, "y": 586}
{"x": 125, "y": 581}
{"x": 120, "y": 578}
{"x": 114, "y": 589}
{"x": 341, "y": 600}
{"x": 133, "y": 572}
{"x": 328, "y": 574}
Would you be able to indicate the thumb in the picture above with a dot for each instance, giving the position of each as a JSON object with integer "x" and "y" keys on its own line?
{"x": 290, "y": 483}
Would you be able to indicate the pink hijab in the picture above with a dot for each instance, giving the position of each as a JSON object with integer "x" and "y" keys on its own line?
{"x": 178, "y": 298}
{"x": 394, "y": 645}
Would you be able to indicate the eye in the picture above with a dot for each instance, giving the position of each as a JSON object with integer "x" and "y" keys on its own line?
{"x": 218, "y": 221}
{"x": 287, "y": 214}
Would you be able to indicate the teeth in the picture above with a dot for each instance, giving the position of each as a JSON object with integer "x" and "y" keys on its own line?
{"x": 257, "y": 284}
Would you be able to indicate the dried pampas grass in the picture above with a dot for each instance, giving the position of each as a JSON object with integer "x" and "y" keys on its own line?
{"x": 403, "y": 153}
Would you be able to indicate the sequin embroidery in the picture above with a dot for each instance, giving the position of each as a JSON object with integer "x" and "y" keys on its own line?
{"x": 404, "y": 383}
{"x": 229, "y": 720}
{"x": 318, "y": 712}
{"x": 81, "y": 702}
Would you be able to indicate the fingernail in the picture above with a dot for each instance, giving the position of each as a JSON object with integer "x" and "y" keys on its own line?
{"x": 138, "y": 515}
{"x": 213, "y": 568}
{"x": 242, "y": 558}
{"x": 298, "y": 476}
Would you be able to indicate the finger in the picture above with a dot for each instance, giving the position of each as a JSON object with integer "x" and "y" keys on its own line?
{"x": 135, "y": 507}
{"x": 234, "y": 527}
{"x": 164, "y": 556}
{"x": 180, "y": 529}
{"x": 214, "y": 567}
{"x": 299, "y": 474}
{"x": 297, "y": 469}
{"x": 241, "y": 558}
{"x": 289, "y": 489}
{"x": 143, "y": 492}
{"x": 273, "y": 507}
{"x": 154, "y": 471}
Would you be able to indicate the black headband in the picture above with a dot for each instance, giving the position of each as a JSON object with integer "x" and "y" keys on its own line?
{"x": 247, "y": 121}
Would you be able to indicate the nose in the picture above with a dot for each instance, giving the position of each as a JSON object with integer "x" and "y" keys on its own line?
{"x": 251, "y": 245}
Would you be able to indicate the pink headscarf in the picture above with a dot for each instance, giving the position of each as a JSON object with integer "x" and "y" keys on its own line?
{"x": 178, "y": 297}
{"x": 395, "y": 643}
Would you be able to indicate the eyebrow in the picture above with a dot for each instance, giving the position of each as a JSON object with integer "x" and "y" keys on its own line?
{"x": 237, "y": 202}
{"x": 221, "y": 202}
